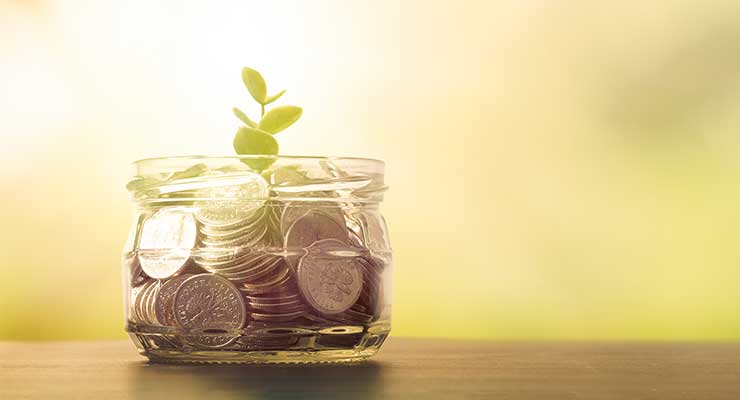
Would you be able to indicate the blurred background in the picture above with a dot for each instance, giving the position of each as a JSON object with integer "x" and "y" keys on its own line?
{"x": 558, "y": 170}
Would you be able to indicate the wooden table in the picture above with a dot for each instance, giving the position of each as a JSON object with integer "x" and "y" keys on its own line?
{"x": 405, "y": 369}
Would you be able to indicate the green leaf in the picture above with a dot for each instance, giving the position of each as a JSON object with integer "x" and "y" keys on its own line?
{"x": 255, "y": 141}
{"x": 240, "y": 114}
{"x": 270, "y": 99}
{"x": 280, "y": 118}
{"x": 255, "y": 84}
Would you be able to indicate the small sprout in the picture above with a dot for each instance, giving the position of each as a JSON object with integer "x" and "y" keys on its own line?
{"x": 256, "y": 137}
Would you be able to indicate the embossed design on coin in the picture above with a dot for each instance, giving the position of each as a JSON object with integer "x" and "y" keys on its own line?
{"x": 206, "y": 303}
{"x": 330, "y": 283}
{"x": 167, "y": 238}
{"x": 226, "y": 206}
{"x": 163, "y": 306}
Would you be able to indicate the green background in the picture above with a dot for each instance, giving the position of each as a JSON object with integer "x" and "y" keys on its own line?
{"x": 558, "y": 170}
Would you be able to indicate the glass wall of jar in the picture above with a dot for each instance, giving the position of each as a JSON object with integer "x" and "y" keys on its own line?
{"x": 257, "y": 259}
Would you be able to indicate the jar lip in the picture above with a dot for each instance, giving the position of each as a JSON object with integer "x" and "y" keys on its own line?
{"x": 377, "y": 162}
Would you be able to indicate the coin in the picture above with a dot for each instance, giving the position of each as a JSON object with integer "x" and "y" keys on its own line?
{"x": 166, "y": 241}
{"x": 224, "y": 207}
{"x": 141, "y": 310}
{"x": 244, "y": 253}
{"x": 279, "y": 275}
{"x": 370, "y": 228}
{"x": 329, "y": 283}
{"x": 251, "y": 268}
{"x": 249, "y": 225}
{"x": 208, "y": 302}
{"x": 211, "y": 259}
{"x": 312, "y": 227}
{"x": 284, "y": 290}
{"x": 294, "y": 210}
{"x": 163, "y": 306}
{"x": 281, "y": 317}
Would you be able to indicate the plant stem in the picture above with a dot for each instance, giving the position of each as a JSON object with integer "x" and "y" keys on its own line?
{"x": 263, "y": 110}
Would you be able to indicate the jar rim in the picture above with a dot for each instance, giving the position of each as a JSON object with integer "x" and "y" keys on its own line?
{"x": 168, "y": 179}
{"x": 154, "y": 160}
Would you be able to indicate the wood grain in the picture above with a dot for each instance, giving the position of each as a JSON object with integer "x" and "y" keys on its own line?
{"x": 405, "y": 369}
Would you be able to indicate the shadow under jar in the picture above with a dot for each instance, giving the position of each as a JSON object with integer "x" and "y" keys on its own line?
{"x": 257, "y": 259}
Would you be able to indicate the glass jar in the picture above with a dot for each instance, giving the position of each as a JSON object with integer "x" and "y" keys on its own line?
{"x": 257, "y": 259}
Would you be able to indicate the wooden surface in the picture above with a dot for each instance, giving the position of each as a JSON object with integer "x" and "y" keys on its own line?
{"x": 405, "y": 369}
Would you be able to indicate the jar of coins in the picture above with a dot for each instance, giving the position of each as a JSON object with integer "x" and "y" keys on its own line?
{"x": 257, "y": 259}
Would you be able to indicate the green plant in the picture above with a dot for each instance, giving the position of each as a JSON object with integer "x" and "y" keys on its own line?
{"x": 257, "y": 137}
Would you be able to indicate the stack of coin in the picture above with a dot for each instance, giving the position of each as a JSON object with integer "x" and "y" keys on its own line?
{"x": 273, "y": 270}
{"x": 367, "y": 230}
{"x": 240, "y": 249}
{"x": 142, "y": 304}
{"x": 278, "y": 303}
{"x": 372, "y": 291}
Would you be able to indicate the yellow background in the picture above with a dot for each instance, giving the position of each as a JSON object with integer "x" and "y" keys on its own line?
{"x": 558, "y": 169}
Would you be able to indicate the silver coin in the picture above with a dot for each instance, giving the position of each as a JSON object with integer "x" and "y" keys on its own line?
{"x": 247, "y": 239}
{"x": 312, "y": 227}
{"x": 227, "y": 206}
{"x": 141, "y": 299}
{"x": 330, "y": 284}
{"x": 246, "y": 257}
{"x": 281, "y": 274}
{"x": 141, "y": 303}
{"x": 166, "y": 241}
{"x": 272, "y": 298}
{"x": 163, "y": 306}
{"x": 279, "y": 308}
{"x": 260, "y": 269}
{"x": 283, "y": 317}
{"x": 219, "y": 256}
{"x": 249, "y": 225}
{"x": 294, "y": 210}
{"x": 133, "y": 301}
{"x": 376, "y": 232}
{"x": 371, "y": 229}
{"x": 208, "y": 302}
{"x": 150, "y": 312}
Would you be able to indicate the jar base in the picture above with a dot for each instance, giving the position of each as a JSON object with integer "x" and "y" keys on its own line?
{"x": 259, "y": 357}
{"x": 164, "y": 348}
